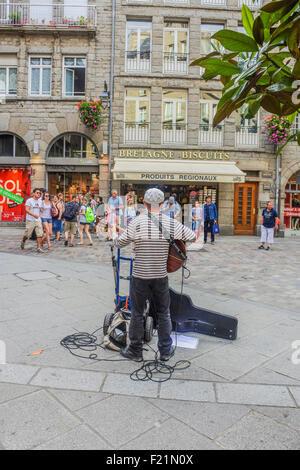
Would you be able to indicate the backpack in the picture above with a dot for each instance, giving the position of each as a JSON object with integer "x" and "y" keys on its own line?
{"x": 117, "y": 334}
{"x": 89, "y": 215}
{"x": 54, "y": 211}
{"x": 70, "y": 211}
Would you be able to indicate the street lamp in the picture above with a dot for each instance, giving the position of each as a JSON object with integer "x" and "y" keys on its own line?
{"x": 105, "y": 97}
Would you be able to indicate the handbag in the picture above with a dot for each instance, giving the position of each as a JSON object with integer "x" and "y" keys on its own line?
{"x": 216, "y": 229}
{"x": 177, "y": 250}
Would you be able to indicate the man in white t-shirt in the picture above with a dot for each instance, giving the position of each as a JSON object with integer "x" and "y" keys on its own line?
{"x": 33, "y": 219}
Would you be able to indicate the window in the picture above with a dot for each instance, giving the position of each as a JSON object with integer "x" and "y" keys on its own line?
{"x": 76, "y": 12}
{"x": 8, "y": 80}
{"x": 40, "y": 76}
{"x": 174, "y": 116}
{"x": 73, "y": 146}
{"x": 208, "y": 30}
{"x": 246, "y": 129}
{"x": 74, "y": 76}
{"x": 175, "y": 47}
{"x": 208, "y": 107}
{"x": 137, "y": 106}
{"x": 138, "y": 46}
{"x": 12, "y": 146}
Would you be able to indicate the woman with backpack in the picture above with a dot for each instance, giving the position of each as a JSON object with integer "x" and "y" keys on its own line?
{"x": 46, "y": 207}
{"x": 86, "y": 214}
{"x": 57, "y": 212}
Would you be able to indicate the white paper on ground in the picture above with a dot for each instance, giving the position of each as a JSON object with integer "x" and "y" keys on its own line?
{"x": 182, "y": 341}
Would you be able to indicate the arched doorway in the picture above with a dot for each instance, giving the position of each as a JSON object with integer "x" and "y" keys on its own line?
{"x": 72, "y": 165}
{"x": 292, "y": 205}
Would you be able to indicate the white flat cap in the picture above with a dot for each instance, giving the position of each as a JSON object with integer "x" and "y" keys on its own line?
{"x": 154, "y": 196}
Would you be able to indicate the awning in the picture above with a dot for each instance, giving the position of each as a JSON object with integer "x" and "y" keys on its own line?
{"x": 177, "y": 170}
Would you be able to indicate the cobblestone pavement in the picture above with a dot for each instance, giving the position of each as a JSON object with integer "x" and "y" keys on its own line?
{"x": 243, "y": 394}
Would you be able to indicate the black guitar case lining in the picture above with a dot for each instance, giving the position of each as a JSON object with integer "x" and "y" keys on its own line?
{"x": 186, "y": 317}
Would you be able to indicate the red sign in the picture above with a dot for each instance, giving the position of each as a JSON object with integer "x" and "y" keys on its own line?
{"x": 292, "y": 212}
{"x": 16, "y": 181}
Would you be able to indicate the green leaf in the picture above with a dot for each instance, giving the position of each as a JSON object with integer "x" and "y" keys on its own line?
{"x": 277, "y": 87}
{"x": 234, "y": 41}
{"x": 264, "y": 80}
{"x": 258, "y": 30}
{"x": 221, "y": 67}
{"x": 274, "y": 6}
{"x": 248, "y": 19}
{"x": 293, "y": 40}
{"x": 296, "y": 69}
{"x": 271, "y": 104}
{"x": 298, "y": 138}
{"x": 200, "y": 60}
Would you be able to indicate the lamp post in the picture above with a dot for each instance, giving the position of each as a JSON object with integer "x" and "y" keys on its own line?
{"x": 106, "y": 100}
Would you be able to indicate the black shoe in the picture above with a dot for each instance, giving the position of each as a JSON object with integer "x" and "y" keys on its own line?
{"x": 66, "y": 243}
{"x": 261, "y": 247}
{"x": 129, "y": 354}
{"x": 268, "y": 248}
{"x": 166, "y": 356}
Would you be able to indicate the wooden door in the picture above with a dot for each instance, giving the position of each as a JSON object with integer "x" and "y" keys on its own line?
{"x": 245, "y": 202}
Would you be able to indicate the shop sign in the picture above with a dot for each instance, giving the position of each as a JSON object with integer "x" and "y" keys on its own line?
{"x": 14, "y": 188}
{"x": 147, "y": 177}
{"x": 267, "y": 174}
{"x": 174, "y": 154}
{"x": 292, "y": 212}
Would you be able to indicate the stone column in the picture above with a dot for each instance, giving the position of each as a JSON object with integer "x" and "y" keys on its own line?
{"x": 103, "y": 177}
{"x": 225, "y": 208}
{"x": 38, "y": 165}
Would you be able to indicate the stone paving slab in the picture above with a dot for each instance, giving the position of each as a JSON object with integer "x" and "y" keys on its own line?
{"x": 287, "y": 416}
{"x": 171, "y": 435}
{"x": 10, "y": 391}
{"x": 17, "y": 373}
{"x": 250, "y": 394}
{"x": 296, "y": 394}
{"x": 262, "y": 375}
{"x": 186, "y": 389}
{"x": 123, "y": 385}
{"x": 258, "y": 432}
{"x": 80, "y": 438}
{"x": 75, "y": 400}
{"x": 210, "y": 419}
{"x": 33, "y": 419}
{"x": 121, "y": 419}
{"x": 68, "y": 379}
{"x": 35, "y": 275}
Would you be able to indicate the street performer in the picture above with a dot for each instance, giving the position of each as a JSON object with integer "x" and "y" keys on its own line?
{"x": 150, "y": 277}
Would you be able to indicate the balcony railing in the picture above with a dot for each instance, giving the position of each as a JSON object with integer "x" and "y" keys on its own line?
{"x": 52, "y": 15}
{"x": 136, "y": 132}
{"x": 138, "y": 61}
{"x": 209, "y": 135}
{"x": 175, "y": 63}
{"x": 214, "y": 2}
{"x": 178, "y": 2}
{"x": 246, "y": 136}
{"x": 250, "y": 4}
{"x": 174, "y": 133}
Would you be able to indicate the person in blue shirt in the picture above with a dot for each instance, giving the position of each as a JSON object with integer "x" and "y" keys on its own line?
{"x": 172, "y": 208}
{"x": 114, "y": 209}
{"x": 269, "y": 223}
{"x": 210, "y": 218}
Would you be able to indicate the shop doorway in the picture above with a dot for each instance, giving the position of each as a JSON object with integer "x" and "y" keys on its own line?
{"x": 73, "y": 183}
{"x": 245, "y": 206}
{"x": 292, "y": 206}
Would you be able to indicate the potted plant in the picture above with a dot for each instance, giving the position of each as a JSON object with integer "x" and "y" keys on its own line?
{"x": 15, "y": 18}
{"x": 277, "y": 129}
{"x": 90, "y": 113}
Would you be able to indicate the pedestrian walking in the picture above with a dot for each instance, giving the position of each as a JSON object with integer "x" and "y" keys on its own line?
{"x": 130, "y": 211}
{"x": 269, "y": 223}
{"x": 70, "y": 217}
{"x": 210, "y": 218}
{"x": 83, "y": 224}
{"x": 172, "y": 208}
{"x": 100, "y": 216}
{"x": 57, "y": 226}
{"x": 114, "y": 212}
{"x": 197, "y": 214}
{"x": 150, "y": 277}
{"x": 46, "y": 207}
{"x": 33, "y": 220}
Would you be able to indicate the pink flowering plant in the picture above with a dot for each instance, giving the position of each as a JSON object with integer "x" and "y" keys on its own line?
{"x": 277, "y": 129}
{"x": 90, "y": 113}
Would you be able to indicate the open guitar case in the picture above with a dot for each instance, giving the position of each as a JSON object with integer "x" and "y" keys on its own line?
{"x": 187, "y": 318}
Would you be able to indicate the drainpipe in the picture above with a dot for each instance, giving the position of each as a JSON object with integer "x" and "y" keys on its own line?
{"x": 112, "y": 63}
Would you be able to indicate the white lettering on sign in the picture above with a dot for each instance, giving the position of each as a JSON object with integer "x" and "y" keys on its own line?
{"x": 12, "y": 186}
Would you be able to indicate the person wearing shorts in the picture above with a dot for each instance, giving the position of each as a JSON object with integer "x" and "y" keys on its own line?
{"x": 269, "y": 223}
{"x": 71, "y": 225}
{"x": 33, "y": 220}
{"x": 83, "y": 224}
{"x": 46, "y": 206}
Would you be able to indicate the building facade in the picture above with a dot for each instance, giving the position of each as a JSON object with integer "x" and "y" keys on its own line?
{"x": 162, "y": 110}
{"x": 52, "y": 54}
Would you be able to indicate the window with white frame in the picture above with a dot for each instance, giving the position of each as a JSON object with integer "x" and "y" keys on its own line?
{"x": 8, "y": 74}
{"x": 174, "y": 116}
{"x": 137, "y": 112}
{"x": 207, "y": 31}
{"x": 74, "y": 76}
{"x": 176, "y": 37}
{"x": 246, "y": 129}
{"x": 208, "y": 107}
{"x": 138, "y": 45}
{"x": 40, "y": 76}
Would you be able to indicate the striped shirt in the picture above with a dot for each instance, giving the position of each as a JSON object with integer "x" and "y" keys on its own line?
{"x": 152, "y": 248}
